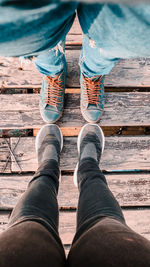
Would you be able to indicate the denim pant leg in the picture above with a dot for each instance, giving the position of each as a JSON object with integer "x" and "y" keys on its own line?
{"x": 113, "y": 31}
{"x": 28, "y": 28}
{"x": 52, "y": 62}
{"x": 95, "y": 200}
{"x": 92, "y": 62}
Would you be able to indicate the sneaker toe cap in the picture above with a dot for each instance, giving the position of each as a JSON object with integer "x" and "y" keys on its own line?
{"x": 50, "y": 116}
{"x": 92, "y": 115}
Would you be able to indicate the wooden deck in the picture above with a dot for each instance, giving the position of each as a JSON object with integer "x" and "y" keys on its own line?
{"x": 125, "y": 121}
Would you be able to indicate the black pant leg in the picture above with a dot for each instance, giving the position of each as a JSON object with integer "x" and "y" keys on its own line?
{"x": 95, "y": 199}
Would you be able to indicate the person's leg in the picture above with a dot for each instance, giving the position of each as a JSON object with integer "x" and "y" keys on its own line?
{"x": 102, "y": 237}
{"x": 92, "y": 62}
{"x": 111, "y": 32}
{"x": 116, "y": 31}
{"x": 39, "y": 30}
{"x": 95, "y": 198}
{"x": 93, "y": 66}
{"x": 32, "y": 237}
{"x": 52, "y": 64}
{"x": 92, "y": 74}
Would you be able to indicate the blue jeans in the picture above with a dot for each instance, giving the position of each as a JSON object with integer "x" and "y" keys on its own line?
{"x": 52, "y": 62}
{"x": 111, "y": 32}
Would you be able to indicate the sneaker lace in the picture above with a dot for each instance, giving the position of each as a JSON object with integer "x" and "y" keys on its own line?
{"x": 54, "y": 90}
{"x": 92, "y": 89}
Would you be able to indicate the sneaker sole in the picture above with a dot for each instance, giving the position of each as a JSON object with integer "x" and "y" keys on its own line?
{"x": 78, "y": 148}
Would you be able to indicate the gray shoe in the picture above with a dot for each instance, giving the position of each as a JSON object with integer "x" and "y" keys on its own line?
{"x": 90, "y": 144}
{"x": 49, "y": 143}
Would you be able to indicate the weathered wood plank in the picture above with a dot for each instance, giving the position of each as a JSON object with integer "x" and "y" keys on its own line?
{"x": 121, "y": 109}
{"x": 11, "y": 189}
{"x": 4, "y": 156}
{"x": 129, "y": 190}
{"x": 121, "y": 153}
{"x": 126, "y": 73}
{"x": 138, "y": 220}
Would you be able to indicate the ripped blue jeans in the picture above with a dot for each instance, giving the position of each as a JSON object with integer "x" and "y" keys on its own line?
{"x": 111, "y": 32}
{"x": 52, "y": 62}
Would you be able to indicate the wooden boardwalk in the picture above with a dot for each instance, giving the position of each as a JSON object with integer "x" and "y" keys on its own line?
{"x": 125, "y": 121}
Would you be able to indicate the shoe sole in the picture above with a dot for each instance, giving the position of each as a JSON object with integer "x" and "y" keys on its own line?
{"x": 78, "y": 148}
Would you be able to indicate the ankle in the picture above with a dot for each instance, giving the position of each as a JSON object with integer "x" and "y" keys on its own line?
{"x": 50, "y": 152}
{"x": 87, "y": 163}
{"x": 86, "y": 168}
{"x": 89, "y": 151}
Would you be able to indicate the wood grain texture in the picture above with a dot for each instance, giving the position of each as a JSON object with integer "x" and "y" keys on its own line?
{"x": 129, "y": 190}
{"x": 138, "y": 220}
{"x": 121, "y": 109}
{"x": 4, "y": 156}
{"x": 121, "y": 153}
{"x": 126, "y": 73}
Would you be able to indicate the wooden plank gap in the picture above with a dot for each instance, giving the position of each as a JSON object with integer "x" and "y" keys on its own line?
{"x": 137, "y": 207}
{"x": 127, "y": 89}
{"x": 66, "y": 131}
{"x": 108, "y": 131}
{"x": 76, "y": 90}
{"x": 77, "y": 45}
{"x": 16, "y": 132}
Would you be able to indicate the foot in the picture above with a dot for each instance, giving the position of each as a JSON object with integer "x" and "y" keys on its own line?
{"x": 90, "y": 144}
{"x": 49, "y": 143}
{"x": 92, "y": 97}
{"x": 52, "y": 97}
